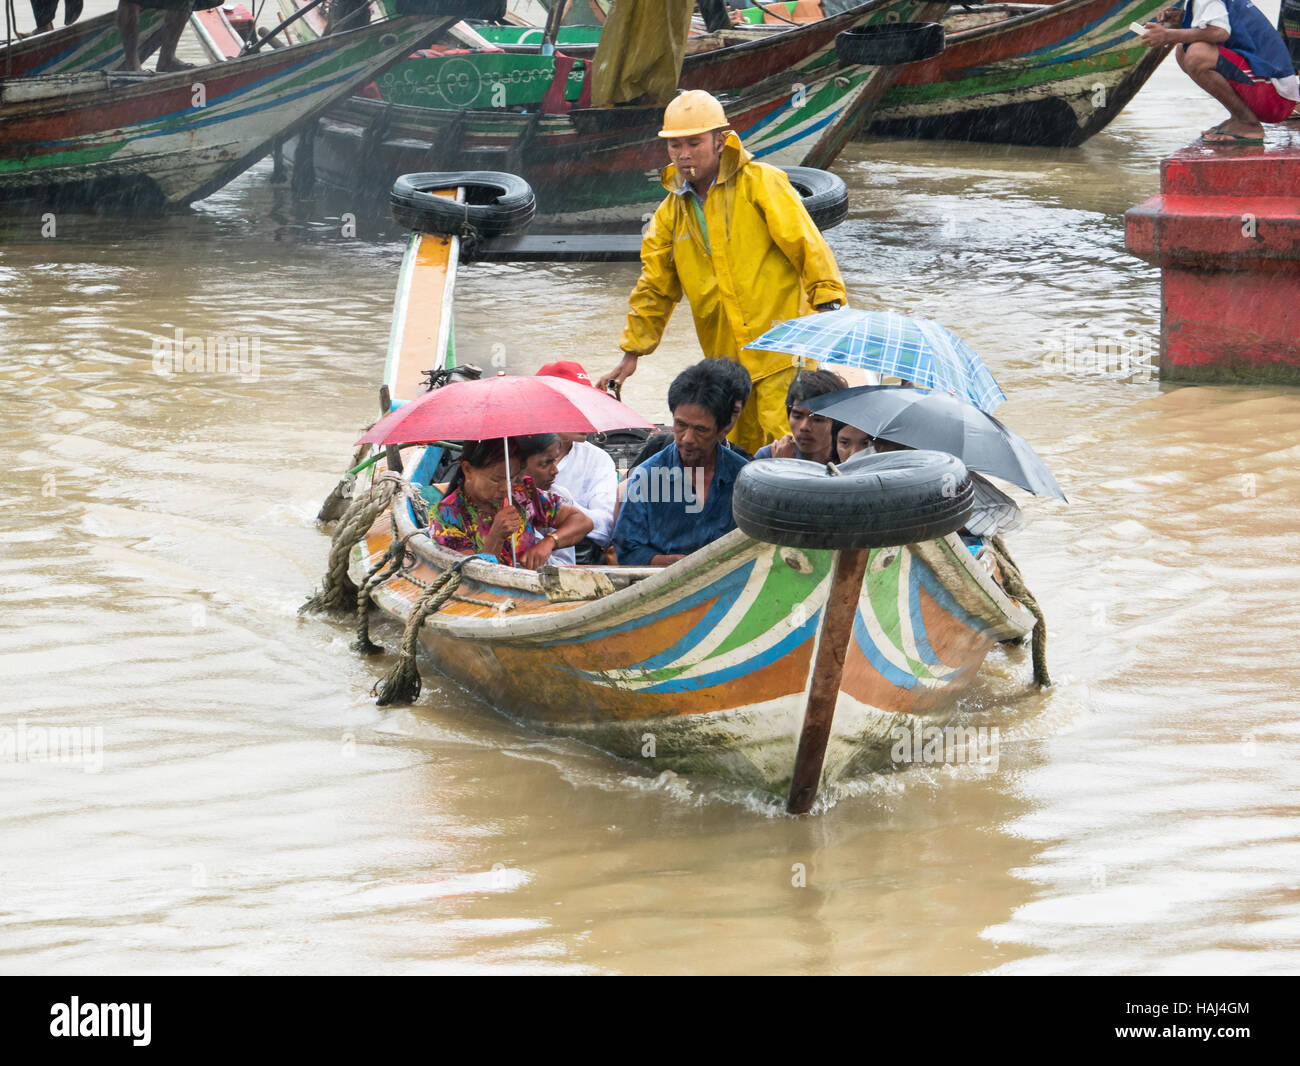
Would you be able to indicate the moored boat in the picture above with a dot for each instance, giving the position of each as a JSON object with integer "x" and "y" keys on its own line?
{"x": 787, "y": 93}
{"x": 713, "y": 665}
{"x": 1032, "y": 74}
{"x": 134, "y": 141}
{"x": 1288, "y": 25}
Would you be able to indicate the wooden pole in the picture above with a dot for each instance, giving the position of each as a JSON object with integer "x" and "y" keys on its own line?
{"x": 552, "y": 31}
{"x": 827, "y": 670}
{"x": 391, "y": 452}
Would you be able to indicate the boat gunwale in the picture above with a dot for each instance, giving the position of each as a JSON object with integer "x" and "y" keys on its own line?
{"x": 135, "y": 87}
{"x": 584, "y": 614}
{"x": 1023, "y": 19}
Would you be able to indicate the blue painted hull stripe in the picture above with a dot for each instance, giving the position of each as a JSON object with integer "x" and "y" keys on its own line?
{"x": 726, "y": 589}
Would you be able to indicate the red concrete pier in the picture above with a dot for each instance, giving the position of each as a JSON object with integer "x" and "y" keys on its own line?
{"x": 1225, "y": 231}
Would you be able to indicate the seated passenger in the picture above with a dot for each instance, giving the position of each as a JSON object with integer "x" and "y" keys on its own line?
{"x": 587, "y": 476}
{"x": 850, "y": 441}
{"x": 536, "y": 455}
{"x": 737, "y": 377}
{"x": 473, "y": 519}
{"x": 810, "y": 435}
{"x": 995, "y": 513}
{"x": 680, "y": 499}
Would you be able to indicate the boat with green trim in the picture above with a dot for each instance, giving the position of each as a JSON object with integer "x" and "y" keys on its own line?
{"x": 786, "y": 93}
{"x": 1288, "y": 25}
{"x": 110, "y": 140}
{"x": 1032, "y": 74}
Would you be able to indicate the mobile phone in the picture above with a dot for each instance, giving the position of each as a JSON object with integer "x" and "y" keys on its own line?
{"x": 1137, "y": 27}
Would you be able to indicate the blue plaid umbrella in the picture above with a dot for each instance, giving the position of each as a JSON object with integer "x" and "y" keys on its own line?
{"x": 918, "y": 350}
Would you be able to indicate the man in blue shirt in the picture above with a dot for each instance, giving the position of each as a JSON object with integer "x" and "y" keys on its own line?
{"x": 680, "y": 499}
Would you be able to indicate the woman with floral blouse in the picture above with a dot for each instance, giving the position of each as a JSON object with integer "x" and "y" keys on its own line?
{"x": 474, "y": 520}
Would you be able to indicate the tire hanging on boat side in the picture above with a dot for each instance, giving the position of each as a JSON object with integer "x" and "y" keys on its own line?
{"x": 496, "y": 204}
{"x": 875, "y": 501}
{"x": 825, "y": 196}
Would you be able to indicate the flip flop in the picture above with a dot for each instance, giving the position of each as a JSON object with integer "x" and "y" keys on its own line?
{"x": 1224, "y": 137}
{"x": 1216, "y": 129}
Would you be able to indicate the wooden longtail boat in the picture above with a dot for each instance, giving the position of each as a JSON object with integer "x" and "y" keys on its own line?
{"x": 94, "y": 44}
{"x": 140, "y": 141}
{"x": 1049, "y": 76}
{"x": 786, "y": 94}
{"x": 1288, "y": 25}
{"x": 705, "y": 666}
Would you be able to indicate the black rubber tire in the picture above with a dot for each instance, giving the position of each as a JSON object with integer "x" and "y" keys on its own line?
{"x": 825, "y": 196}
{"x": 877, "y": 501}
{"x": 890, "y": 44}
{"x": 461, "y": 9}
{"x": 496, "y": 204}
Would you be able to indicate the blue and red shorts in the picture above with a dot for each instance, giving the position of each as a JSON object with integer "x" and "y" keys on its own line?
{"x": 1258, "y": 94}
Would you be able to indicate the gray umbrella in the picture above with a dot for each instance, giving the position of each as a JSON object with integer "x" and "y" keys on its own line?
{"x": 921, "y": 418}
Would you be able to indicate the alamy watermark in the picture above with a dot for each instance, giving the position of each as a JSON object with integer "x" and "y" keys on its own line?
{"x": 1102, "y": 355}
{"x": 178, "y": 354}
{"x": 956, "y": 745}
{"x": 664, "y": 484}
{"x": 45, "y": 744}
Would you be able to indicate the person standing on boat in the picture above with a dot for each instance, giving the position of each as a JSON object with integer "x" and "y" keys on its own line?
{"x": 680, "y": 500}
{"x": 176, "y": 14}
{"x": 1231, "y": 50}
{"x": 811, "y": 436}
{"x": 43, "y": 11}
{"x": 733, "y": 237}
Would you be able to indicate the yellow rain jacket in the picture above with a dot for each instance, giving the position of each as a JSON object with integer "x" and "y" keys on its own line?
{"x": 640, "y": 53}
{"x": 761, "y": 262}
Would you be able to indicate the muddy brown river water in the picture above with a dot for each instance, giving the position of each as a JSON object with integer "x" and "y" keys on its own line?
{"x": 243, "y": 807}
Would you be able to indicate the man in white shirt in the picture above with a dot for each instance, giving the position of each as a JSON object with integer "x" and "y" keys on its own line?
{"x": 586, "y": 475}
{"x": 1231, "y": 50}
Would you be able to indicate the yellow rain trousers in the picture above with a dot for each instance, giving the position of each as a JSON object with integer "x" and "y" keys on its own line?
{"x": 639, "y": 56}
{"x": 761, "y": 262}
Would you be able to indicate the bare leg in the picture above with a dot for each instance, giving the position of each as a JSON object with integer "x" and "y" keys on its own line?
{"x": 43, "y": 12}
{"x": 128, "y": 25}
{"x": 173, "y": 26}
{"x": 1199, "y": 61}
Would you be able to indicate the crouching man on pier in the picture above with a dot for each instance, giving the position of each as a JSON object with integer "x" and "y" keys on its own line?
{"x": 1231, "y": 50}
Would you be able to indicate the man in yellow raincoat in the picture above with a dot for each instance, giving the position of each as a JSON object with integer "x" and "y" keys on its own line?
{"x": 733, "y": 237}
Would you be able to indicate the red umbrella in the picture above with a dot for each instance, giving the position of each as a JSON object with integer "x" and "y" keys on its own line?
{"x": 503, "y": 407}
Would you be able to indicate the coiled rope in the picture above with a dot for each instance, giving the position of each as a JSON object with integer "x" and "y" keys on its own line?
{"x": 386, "y": 568}
{"x": 337, "y": 501}
{"x": 338, "y": 593}
{"x": 1014, "y": 582}
{"x": 402, "y": 683}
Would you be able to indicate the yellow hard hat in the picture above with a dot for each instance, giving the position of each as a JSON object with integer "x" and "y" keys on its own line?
{"x": 694, "y": 111}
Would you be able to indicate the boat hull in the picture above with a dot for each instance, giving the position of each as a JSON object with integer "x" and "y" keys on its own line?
{"x": 704, "y": 667}
{"x": 1049, "y": 78}
{"x": 155, "y": 142}
{"x": 91, "y": 44}
{"x": 791, "y": 106}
